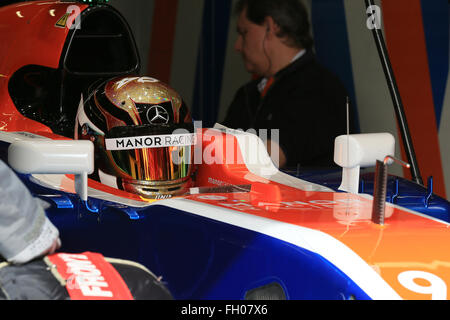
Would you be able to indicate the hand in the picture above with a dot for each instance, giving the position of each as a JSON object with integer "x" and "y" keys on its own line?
{"x": 55, "y": 246}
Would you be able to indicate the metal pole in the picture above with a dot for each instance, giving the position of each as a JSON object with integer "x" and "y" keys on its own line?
{"x": 396, "y": 99}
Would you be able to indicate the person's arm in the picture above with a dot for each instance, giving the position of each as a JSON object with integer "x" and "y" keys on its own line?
{"x": 25, "y": 230}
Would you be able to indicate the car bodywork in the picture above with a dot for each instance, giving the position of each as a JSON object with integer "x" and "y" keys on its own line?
{"x": 249, "y": 231}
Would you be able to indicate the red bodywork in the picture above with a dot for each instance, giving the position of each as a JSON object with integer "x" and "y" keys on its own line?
{"x": 29, "y": 36}
{"x": 409, "y": 243}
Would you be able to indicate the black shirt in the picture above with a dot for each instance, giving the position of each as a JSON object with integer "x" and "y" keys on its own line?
{"x": 307, "y": 103}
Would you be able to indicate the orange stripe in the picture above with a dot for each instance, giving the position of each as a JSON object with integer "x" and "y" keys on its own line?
{"x": 405, "y": 39}
{"x": 162, "y": 39}
{"x": 407, "y": 242}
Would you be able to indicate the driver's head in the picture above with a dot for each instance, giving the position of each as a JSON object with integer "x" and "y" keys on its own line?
{"x": 143, "y": 136}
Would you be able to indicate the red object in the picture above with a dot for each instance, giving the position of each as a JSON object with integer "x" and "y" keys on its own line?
{"x": 89, "y": 276}
{"x": 31, "y": 35}
{"x": 405, "y": 33}
{"x": 267, "y": 86}
{"x": 162, "y": 39}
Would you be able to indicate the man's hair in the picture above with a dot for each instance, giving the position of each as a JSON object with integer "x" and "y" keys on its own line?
{"x": 290, "y": 15}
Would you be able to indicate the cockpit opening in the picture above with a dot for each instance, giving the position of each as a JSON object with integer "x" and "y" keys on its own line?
{"x": 102, "y": 47}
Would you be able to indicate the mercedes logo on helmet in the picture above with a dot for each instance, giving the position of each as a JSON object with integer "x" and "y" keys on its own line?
{"x": 157, "y": 115}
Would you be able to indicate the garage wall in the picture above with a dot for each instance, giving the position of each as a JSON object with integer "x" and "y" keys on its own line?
{"x": 190, "y": 46}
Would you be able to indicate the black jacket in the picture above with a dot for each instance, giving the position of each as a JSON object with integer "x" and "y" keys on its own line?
{"x": 307, "y": 103}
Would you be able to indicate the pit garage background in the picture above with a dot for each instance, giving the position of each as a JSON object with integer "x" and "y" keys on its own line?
{"x": 189, "y": 44}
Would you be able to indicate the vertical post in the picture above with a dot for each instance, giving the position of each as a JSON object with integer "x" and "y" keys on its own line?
{"x": 396, "y": 99}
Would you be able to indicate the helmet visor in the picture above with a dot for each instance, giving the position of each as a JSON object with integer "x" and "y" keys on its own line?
{"x": 162, "y": 153}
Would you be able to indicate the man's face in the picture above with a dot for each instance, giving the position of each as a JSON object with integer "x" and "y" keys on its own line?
{"x": 250, "y": 44}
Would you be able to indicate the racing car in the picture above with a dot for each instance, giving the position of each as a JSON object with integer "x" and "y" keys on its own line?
{"x": 242, "y": 229}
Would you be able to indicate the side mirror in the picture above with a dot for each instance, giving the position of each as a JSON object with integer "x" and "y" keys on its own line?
{"x": 54, "y": 157}
{"x": 354, "y": 151}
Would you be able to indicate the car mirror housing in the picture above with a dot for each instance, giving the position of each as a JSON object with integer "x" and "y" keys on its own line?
{"x": 351, "y": 152}
{"x": 54, "y": 157}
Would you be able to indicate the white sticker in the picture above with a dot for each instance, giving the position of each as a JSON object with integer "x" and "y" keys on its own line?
{"x": 155, "y": 141}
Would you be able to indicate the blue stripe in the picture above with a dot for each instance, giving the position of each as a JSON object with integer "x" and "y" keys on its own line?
{"x": 332, "y": 44}
{"x": 436, "y": 26}
{"x": 211, "y": 61}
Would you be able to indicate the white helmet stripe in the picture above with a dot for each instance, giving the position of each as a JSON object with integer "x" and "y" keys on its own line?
{"x": 82, "y": 119}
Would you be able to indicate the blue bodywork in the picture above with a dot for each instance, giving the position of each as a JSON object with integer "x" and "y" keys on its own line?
{"x": 201, "y": 258}
{"x": 399, "y": 191}
{"x": 198, "y": 258}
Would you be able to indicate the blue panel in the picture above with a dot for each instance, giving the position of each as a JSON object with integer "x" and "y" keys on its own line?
{"x": 436, "y": 26}
{"x": 211, "y": 61}
{"x": 200, "y": 258}
{"x": 331, "y": 43}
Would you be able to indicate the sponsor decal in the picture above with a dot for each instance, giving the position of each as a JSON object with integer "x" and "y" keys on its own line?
{"x": 157, "y": 114}
{"x": 89, "y": 276}
{"x": 153, "y": 141}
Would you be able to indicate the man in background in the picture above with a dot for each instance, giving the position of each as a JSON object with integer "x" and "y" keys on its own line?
{"x": 290, "y": 90}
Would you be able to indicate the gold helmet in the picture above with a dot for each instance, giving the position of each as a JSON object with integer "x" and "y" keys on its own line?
{"x": 143, "y": 136}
